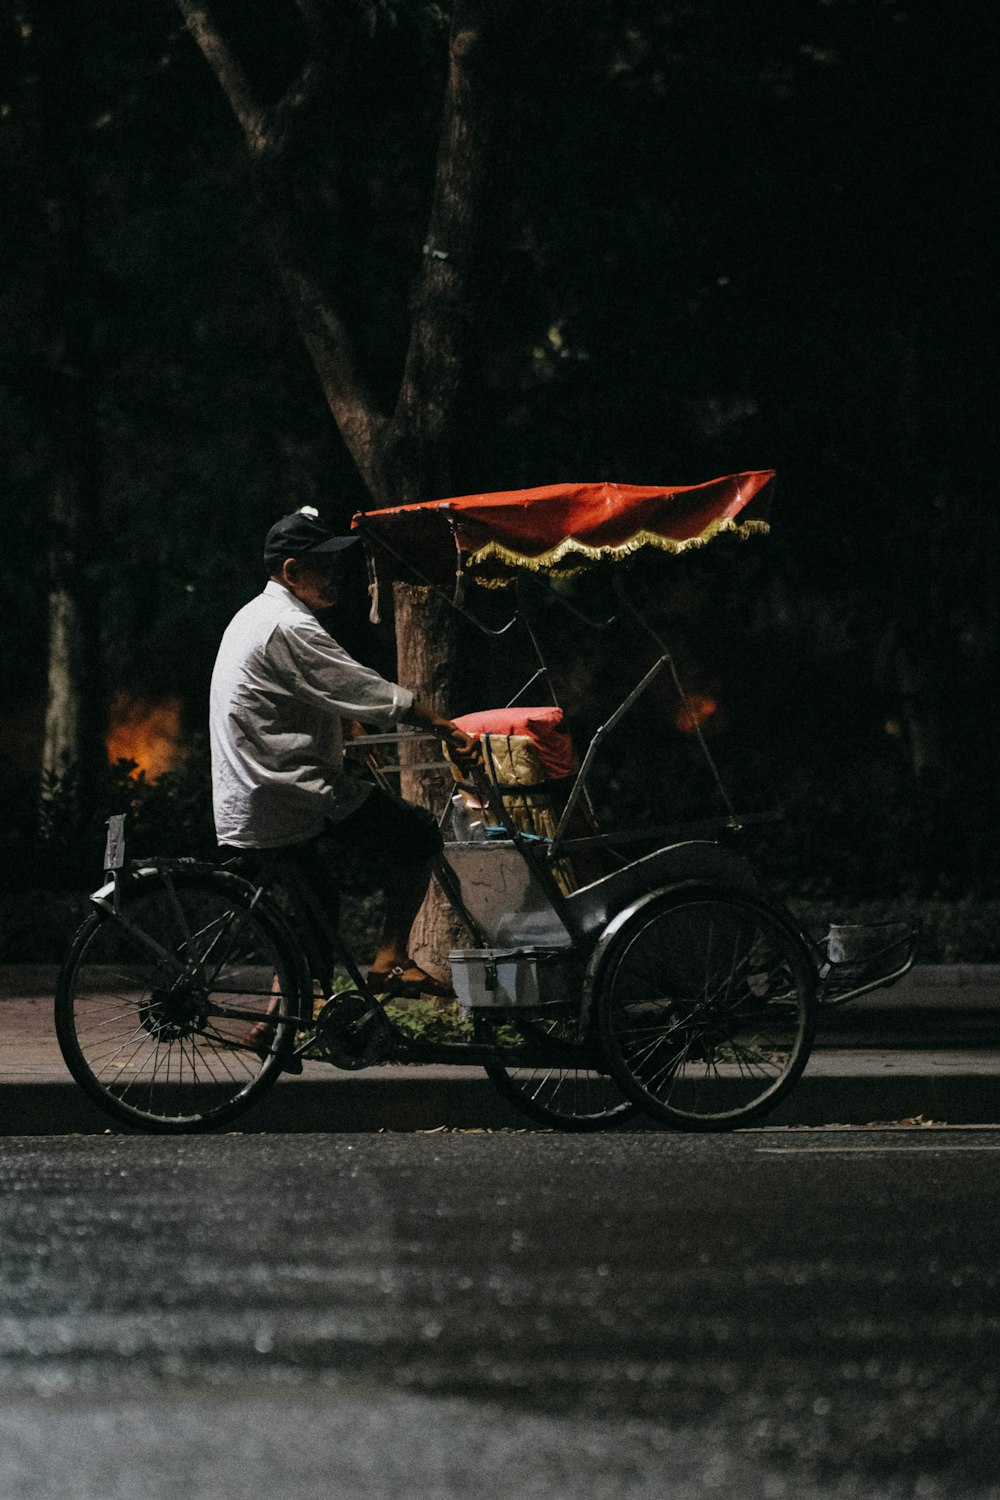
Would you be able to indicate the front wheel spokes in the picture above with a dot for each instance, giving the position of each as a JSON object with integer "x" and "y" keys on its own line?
{"x": 210, "y": 934}
{"x": 672, "y": 1067}
{"x": 645, "y": 1042}
{"x": 153, "y": 1053}
{"x": 538, "y": 1064}
{"x": 155, "y": 1004}
{"x": 221, "y": 1054}
{"x": 195, "y": 962}
{"x": 226, "y": 926}
{"x": 107, "y": 1060}
{"x": 706, "y": 1008}
{"x": 644, "y": 969}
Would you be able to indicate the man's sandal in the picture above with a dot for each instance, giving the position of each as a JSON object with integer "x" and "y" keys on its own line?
{"x": 391, "y": 982}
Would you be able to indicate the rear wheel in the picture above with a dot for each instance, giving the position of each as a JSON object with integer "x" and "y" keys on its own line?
{"x": 155, "y": 1003}
{"x": 706, "y": 1008}
{"x": 542, "y": 1068}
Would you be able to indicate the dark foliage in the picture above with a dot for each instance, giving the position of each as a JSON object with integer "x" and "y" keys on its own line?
{"x": 723, "y": 238}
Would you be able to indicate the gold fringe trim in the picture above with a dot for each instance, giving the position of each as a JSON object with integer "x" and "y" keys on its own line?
{"x": 542, "y": 561}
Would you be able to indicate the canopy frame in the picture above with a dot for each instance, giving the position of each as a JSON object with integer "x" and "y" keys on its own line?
{"x": 731, "y": 820}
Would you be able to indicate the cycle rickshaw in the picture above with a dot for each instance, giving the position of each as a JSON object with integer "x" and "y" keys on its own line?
{"x": 595, "y": 985}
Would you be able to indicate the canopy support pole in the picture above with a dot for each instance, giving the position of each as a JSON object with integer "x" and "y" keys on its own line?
{"x": 599, "y": 735}
{"x": 667, "y": 657}
{"x": 455, "y": 602}
{"x": 423, "y": 581}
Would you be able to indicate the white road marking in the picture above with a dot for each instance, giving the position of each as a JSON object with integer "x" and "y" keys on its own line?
{"x": 864, "y": 1150}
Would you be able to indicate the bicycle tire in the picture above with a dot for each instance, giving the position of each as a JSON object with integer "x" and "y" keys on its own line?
{"x": 154, "y": 1002}
{"x": 562, "y": 1092}
{"x": 706, "y": 1006}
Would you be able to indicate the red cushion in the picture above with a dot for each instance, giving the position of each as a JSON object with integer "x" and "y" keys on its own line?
{"x": 544, "y": 726}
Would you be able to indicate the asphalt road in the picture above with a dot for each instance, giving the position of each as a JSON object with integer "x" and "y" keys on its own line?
{"x": 778, "y": 1313}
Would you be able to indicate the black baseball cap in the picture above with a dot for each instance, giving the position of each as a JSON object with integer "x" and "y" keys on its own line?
{"x": 299, "y": 535}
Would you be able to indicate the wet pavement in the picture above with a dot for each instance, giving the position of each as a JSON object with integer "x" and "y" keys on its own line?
{"x": 777, "y": 1313}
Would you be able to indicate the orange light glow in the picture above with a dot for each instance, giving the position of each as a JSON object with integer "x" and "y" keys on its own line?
{"x": 695, "y": 712}
{"x": 148, "y": 733}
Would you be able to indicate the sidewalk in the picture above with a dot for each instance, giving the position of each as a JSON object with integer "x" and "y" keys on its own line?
{"x": 930, "y": 1047}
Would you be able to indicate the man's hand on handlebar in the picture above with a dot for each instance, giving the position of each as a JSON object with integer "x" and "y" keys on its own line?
{"x": 353, "y": 730}
{"x": 464, "y": 747}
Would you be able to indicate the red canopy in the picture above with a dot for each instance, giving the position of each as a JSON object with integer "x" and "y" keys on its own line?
{"x": 560, "y": 527}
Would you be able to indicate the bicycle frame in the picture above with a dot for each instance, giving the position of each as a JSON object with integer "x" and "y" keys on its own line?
{"x": 314, "y": 927}
{"x": 311, "y": 933}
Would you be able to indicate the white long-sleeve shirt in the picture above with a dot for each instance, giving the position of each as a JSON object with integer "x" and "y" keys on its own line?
{"x": 280, "y": 690}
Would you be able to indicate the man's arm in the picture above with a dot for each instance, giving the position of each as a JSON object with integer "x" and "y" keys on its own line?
{"x": 318, "y": 668}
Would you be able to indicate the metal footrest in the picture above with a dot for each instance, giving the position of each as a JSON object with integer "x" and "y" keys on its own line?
{"x": 856, "y": 957}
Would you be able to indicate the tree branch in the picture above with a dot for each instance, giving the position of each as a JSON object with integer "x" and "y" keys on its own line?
{"x": 229, "y": 71}
{"x": 348, "y": 395}
{"x": 443, "y": 294}
{"x": 268, "y": 133}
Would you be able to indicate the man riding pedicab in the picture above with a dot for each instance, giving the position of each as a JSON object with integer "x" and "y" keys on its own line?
{"x": 282, "y": 690}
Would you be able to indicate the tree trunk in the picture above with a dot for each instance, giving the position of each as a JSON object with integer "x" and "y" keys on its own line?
{"x": 922, "y": 738}
{"x": 74, "y": 720}
{"x": 426, "y": 636}
{"x": 916, "y": 584}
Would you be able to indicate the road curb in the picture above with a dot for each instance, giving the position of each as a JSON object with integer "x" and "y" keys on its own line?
{"x": 39, "y": 979}
{"x": 351, "y": 1103}
{"x": 955, "y": 976}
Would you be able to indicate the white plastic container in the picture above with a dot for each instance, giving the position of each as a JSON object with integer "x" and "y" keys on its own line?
{"x": 510, "y": 978}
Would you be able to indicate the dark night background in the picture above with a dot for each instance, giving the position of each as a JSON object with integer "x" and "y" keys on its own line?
{"x": 725, "y": 237}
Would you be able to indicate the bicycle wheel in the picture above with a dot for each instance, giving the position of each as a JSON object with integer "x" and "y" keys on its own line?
{"x": 542, "y": 1068}
{"x": 706, "y": 1008}
{"x": 153, "y": 1005}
